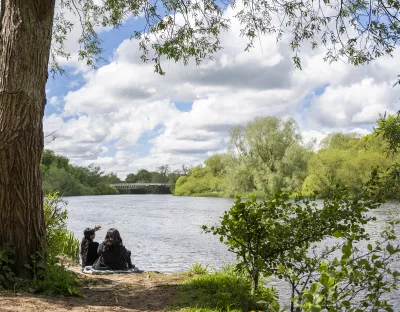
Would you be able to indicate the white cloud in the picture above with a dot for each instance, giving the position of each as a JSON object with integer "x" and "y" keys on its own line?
{"x": 55, "y": 101}
{"x": 124, "y": 100}
{"x": 355, "y": 104}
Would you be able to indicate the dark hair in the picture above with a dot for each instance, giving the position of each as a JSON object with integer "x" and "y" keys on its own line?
{"x": 112, "y": 240}
{"x": 85, "y": 244}
{"x": 87, "y": 232}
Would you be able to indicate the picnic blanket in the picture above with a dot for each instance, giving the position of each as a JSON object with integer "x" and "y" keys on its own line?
{"x": 90, "y": 270}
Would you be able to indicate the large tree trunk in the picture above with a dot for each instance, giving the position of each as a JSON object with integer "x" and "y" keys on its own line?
{"x": 25, "y": 32}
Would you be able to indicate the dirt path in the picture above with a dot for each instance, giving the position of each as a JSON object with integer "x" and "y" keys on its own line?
{"x": 147, "y": 291}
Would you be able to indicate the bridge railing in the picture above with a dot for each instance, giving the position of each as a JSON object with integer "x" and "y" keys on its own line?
{"x": 138, "y": 185}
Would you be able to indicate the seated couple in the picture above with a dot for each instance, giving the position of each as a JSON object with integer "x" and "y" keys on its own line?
{"x": 111, "y": 254}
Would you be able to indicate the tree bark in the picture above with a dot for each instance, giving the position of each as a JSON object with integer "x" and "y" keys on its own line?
{"x": 26, "y": 27}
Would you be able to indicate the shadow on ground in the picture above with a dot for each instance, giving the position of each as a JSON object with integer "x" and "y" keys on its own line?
{"x": 139, "y": 292}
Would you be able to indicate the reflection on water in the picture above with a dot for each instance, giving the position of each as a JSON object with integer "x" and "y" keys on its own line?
{"x": 164, "y": 231}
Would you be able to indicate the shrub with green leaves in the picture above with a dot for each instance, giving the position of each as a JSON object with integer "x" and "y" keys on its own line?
{"x": 48, "y": 272}
{"x": 356, "y": 281}
{"x": 280, "y": 236}
{"x": 59, "y": 241}
{"x": 52, "y": 278}
{"x": 7, "y": 276}
{"x": 265, "y": 234}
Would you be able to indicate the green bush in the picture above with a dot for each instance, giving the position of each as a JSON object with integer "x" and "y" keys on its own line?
{"x": 49, "y": 275}
{"x": 356, "y": 281}
{"x": 60, "y": 241}
{"x": 279, "y": 236}
{"x": 7, "y": 276}
{"x": 52, "y": 278}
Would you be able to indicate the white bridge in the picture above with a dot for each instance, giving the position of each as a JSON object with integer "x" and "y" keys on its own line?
{"x": 132, "y": 186}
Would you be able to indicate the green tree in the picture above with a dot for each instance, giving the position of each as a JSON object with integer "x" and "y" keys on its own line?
{"x": 277, "y": 231}
{"x": 48, "y": 157}
{"x": 131, "y": 178}
{"x": 347, "y": 160}
{"x": 111, "y": 178}
{"x": 143, "y": 176}
{"x": 269, "y": 156}
{"x": 216, "y": 164}
{"x": 340, "y": 140}
{"x": 268, "y": 139}
{"x": 389, "y": 128}
{"x": 60, "y": 176}
{"x": 200, "y": 180}
{"x": 173, "y": 178}
{"x": 239, "y": 179}
{"x": 163, "y": 172}
{"x": 93, "y": 174}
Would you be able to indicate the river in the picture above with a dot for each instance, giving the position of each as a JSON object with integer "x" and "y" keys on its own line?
{"x": 163, "y": 231}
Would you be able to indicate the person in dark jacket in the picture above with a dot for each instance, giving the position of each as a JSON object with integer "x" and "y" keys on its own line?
{"x": 113, "y": 254}
{"x": 89, "y": 247}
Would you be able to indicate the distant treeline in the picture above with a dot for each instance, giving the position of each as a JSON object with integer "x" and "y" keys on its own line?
{"x": 268, "y": 155}
{"x": 69, "y": 180}
{"x": 263, "y": 157}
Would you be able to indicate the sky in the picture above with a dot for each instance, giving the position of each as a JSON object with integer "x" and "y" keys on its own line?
{"x": 123, "y": 116}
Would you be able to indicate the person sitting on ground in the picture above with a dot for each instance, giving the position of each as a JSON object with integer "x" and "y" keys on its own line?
{"x": 113, "y": 254}
{"x": 89, "y": 247}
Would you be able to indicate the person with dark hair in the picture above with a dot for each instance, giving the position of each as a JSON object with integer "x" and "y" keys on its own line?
{"x": 112, "y": 253}
{"x": 89, "y": 247}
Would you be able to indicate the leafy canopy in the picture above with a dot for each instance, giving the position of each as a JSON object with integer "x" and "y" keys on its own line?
{"x": 356, "y": 31}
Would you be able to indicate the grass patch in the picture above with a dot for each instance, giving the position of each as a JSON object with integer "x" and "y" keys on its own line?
{"x": 223, "y": 290}
{"x": 198, "y": 269}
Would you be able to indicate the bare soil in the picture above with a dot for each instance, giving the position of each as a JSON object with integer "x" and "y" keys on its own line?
{"x": 145, "y": 291}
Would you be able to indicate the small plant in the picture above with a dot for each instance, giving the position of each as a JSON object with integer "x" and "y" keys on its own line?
{"x": 52, "y": 278}
{"x": 49, "y": 276}
{"x": 60, "y": 241}
{"x": 198, "y": 269}
{"x": 7, "y": 276}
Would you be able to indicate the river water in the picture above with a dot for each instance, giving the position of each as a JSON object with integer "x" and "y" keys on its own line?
{"x": 163, "y": 231}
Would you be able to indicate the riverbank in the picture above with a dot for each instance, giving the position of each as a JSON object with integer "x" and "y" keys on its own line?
{"x": 145, "y": 291}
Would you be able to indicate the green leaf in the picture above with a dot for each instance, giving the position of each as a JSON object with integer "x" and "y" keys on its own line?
{"x": 337, "y": 234}
{"x": 345, "y": 303}
{"x": 390, "y": 249}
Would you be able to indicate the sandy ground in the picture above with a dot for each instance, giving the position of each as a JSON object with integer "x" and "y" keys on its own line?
{"x": 146, "y": 291}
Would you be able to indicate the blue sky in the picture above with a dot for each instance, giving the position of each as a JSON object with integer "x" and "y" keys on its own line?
{"x": 124, "y": 117}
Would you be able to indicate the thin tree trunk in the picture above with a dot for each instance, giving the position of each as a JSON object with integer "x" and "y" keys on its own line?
{"x": 254, "y": 280}
{"x": 25, "y": 39}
